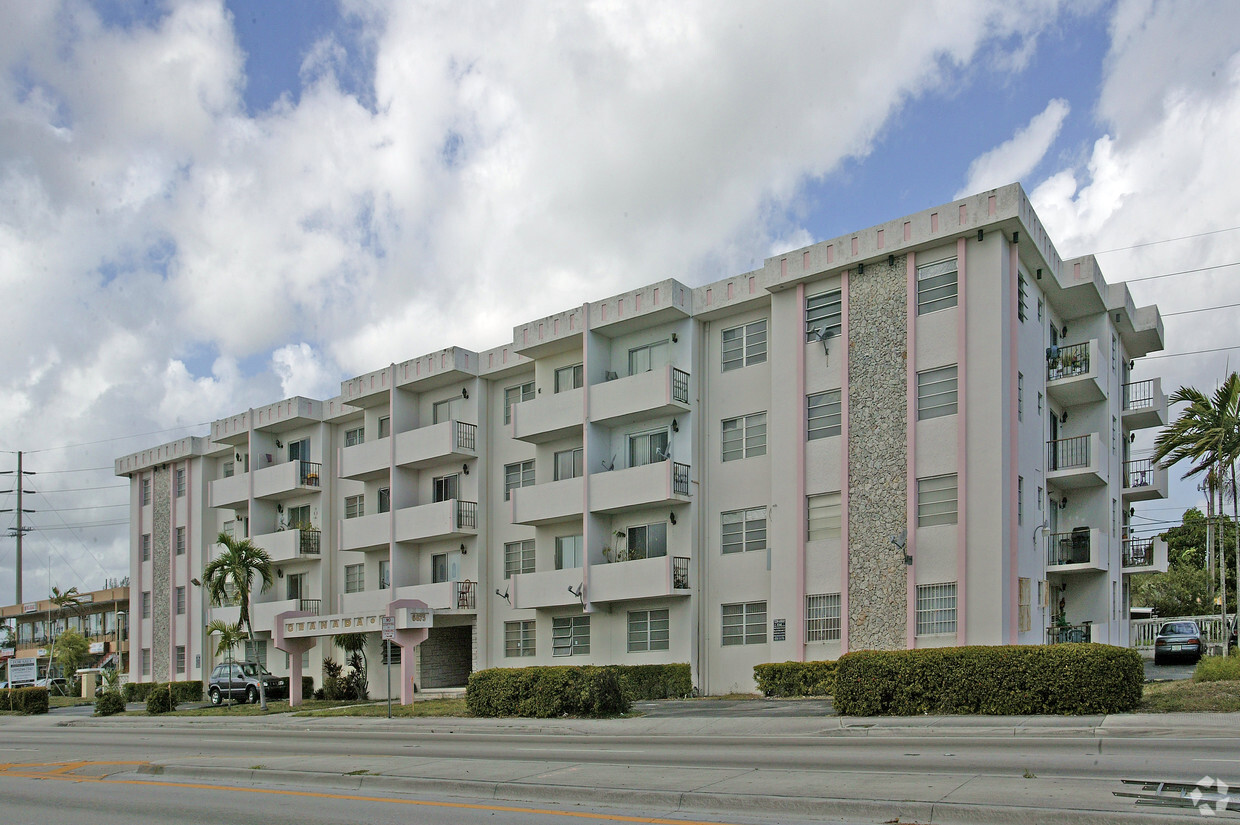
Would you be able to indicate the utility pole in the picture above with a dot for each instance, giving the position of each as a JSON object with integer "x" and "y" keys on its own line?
{"x": 20, "y": 530}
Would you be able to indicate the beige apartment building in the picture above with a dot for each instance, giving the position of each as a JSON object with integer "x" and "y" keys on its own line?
{"x": 918, "y": 434}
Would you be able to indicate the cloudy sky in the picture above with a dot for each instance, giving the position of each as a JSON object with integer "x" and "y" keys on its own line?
{"x": 208, "y": 205}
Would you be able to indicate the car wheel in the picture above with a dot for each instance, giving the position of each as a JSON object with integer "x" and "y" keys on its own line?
{"x": 214, "y": 694}
{"x": 251, "y": 695}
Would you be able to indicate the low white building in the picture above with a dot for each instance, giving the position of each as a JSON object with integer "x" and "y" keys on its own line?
{"x": 914, "y": 435}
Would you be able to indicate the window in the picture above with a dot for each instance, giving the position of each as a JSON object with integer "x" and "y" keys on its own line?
{"x": 744, "y": 623}
{"x": 256, "y": 652}
{"x": 180, "y": 658}
{"x": 385, "y": 499}
{"x": 447, "y": 410}
{"x": 744, "y": 437}
{"x": 146, "y": 604}
{"x": 385, "y": 426}
{"x": 229, "y": 468}
{"x": 824, "y": 313}
{"x": 229, "y": 528}
{"x": 1039, "y": 499}
{"x": 744, "y": 530}
{"x": 826, "y": 515}
{"x": 515, "y": 395}
{"x": 1024, "y": 619}
{"x": 517, "y": 475}
{"x": 519, "y": 639}
{"x": 648, "y": 447}
{"x": 446, "y": 488}
{"x": 389, "y": 654}
{"x": 231, "y": 594}
{"x": 1114, "y": 354}
{"x": 936, "y": 500}
{"x": 299, "y": 517}
{"x": 518, "y": 557}
{"x": 1041, "y": 305}
{"x": 648, "y": 630}
{"x": 180, "y": 482}
{"x": 568, "y": 463}
{"x": 1114, "y": 517}
{"x": 936, "y": 393}
{"x": 354, "y": 578}
{"x": 146, "y": 546}
{"x": 569, "y": 378}
{"x": 936, "y": 286}
{"x": 1039, "y": 403}
{"x": 146, "y": 491}
{"x": 822, "y": 617}
{"x": 180, "y": 541}
{"x": 355, "y": 436}
{"x": 180, "y": 596}
{"x": 1020, "y": 499}
{"x": 648, "y": 357}
{"x": 936, "y": 609}
{"x": 1022, "y": 298}
{"x": 744, "y": 345}
{"x": 299, "y": 450}
{"x": 354, "y": 506}
{"x": 569, "y": 552}
{"x": 648, "y": 541}
{"x": 1114, "y": 434}
{"x": 146, "y": 661}
{"x": 825, "y": 414}
{"x": 439, "y": 568}
{"x": 385, "y": 574}
{"x": 295, "y": 586}
{"x": 1020, "y": 396}
{"x": 570, "y": 636}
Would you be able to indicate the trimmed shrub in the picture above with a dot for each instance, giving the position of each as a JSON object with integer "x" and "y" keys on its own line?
{"x": 29, "y": 700}
{"x": 307, "y": 687}
{"x": 188, "y": 691}
{"x": 160, "y": 699}
{"x": 109, "y": 702}
{"x": 543, "y": 692}
{"x": 642, "y": 682}
{"x": 1003, "y": 680}
{"x": 1218, "y": 668}
{"x": 137, "y": 691}
{"x": 795, "y": 678}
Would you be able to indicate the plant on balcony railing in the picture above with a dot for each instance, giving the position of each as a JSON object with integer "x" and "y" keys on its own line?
{"x": 1068, "y": 362}
{"x": 1138, "y": 473}
{"x": 680, "y": 573}
{"x": 309, "y": 473}
{"x": 1068, "y": 548}
{"x": 1139, "y": 552}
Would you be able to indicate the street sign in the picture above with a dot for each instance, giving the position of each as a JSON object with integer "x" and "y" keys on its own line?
{"x": 23, "y": 671}
{"x": 389, "y": 635}
{"x": 780, "y": 630}
{"x": 388, "y": 625}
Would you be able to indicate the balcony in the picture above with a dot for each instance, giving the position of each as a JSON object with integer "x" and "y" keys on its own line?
{"x": 366, "y": 461}
{"x": 1144, "y": 554}
{"x": 1076, "y": 462}
{"x": 550, "y": 588}
{"x": 291, "y": 545}
{"x": 547, "y": 503}
{"x": 443, "y": 596}
{"x": 366, "y": 601}
{"x": 1072, "y": 374}
{"x": 658, "y": 483}
{"x": 639, "y": 579}
{"x": 1069, "y": 634}
{"x": 286, "y": 480}
{"x": 1082, "y": 550}
{"x": 1145, "y": 404}
{"x": 441, "y": 520}
{"x": 231, "y": 493}
{"x": 651, "y": 394}
{"x": 1144, "y": 480}
{"x": 548, "y": 417}
{"x": 425, "y": 446}
{"x": 263, "y": 614}
{"x": 373, "y": 532}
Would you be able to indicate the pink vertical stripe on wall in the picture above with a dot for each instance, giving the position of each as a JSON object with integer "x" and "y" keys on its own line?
{"x": 964, "y": 214}
{"x": 830, "y": 253}
{"x": 990, "y": 206}
{"x": 1013, "y": 321}
{"x": 908, "y": 231}
{"x": 844, "y": 550}
{"x": 854, "y": 246}
{"x": 753, "y": 285}
{"x": 910, "y": 470}
{"x": 729, "y": 290}
{"x": 934, "y": 222}
{"x": 802, "y": 516}
{"x": 881, "y": 238}
{"x": 962, "y": 439}
{"x": 805, "y": 260}
{"x": 710, "y": 298}
{"x": 783, "y": 267}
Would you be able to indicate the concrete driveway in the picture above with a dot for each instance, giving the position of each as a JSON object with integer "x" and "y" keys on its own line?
{"x": 1168, "y": 672}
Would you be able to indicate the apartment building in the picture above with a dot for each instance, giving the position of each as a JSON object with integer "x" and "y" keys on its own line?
{"x": 914, "y": 435}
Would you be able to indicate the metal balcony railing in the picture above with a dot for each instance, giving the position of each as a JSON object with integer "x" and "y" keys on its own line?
{"x": 680, "y": 573}
{"x": 680, "y": 479}
{"x": 1072, "y": 633}
{"x": 1068, "y": 362}
{"x": 1139, "y": 395}
{"x": 466, "y": 436}
{"x": 309, "y": 474}
{"x": 465, "y": 593}
{"x": 310, "y": 605}
{"x": 1068, "y": 548}
{"x": 1067, "y": 453}
{"x": 1138, "y": 473}
{"x": 467, "y": 515}
{"x": 680, "y": 386}
{"x": 1139, "y": 552}
{"x": 309, "y": 542}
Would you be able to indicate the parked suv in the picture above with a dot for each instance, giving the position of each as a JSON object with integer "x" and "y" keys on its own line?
{"x": 240, "y": 681}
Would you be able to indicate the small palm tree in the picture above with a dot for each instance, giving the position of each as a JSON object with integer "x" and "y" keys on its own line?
{"x": 240, "y": 562}
{"x": 67, "y": 601}
{"x": 230, "y": 635}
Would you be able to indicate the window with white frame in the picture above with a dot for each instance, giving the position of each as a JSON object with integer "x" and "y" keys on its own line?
{"x": 568, "y": 463}
{"x": 936, "y": 393}
{"x": 180, "y": 658}
{"x": 936, "y": 500}
{"x": 1024, "y": 613}
{"x": 648, "y": 630}
{"x": 822, "y": 617}
{"x": 936, "y": 286}
{"x": 256, "y": 652}
{"x": 385, "y": 426}
{"x": 299, "y": 517}
{"x": 744, "y": 530}
{"x": 648, "y": 447}
{"x": 355, "y": 436}
{"x": 744, "y": 345}
{"x": 569, "y": 552}
{"x": 569, "y": 378}
{"x": 146, "y": 661}
{"x": 518, "y": 557}
{"x": 146, "y": 546}
{"x": 385, "y": 574}
{"x": 515, "y": 395}
{"x": 448, "y": 409}
{"x": 180, "y": 541}
{"x": 744, "y": 623}
{"x": 146, "y": 491}
{"x": 520, "y": 474}
{"x": 180, "y": 600}
{"x": 744, "y": 436}
{"x": 354, "y": 506}
{"x": 354, "y": 578}
{"x": 570, "y": 636}
{"x": 446, "y": 488}
{"x": 229, "y": 468}
{"x": 648, "y": 541}
{"x": 439, "y": 568}
{"x": 824, "y": 313}
{"x": 230, "y": 529}
{"x": 936, "y": 609}
{"x": 180, "y": 482}
{"x": 519, "y": 639}
{"x": 649, "y": 357}
{"x": 825, "y": 512}
{"x": 825, "y": 414}
{"x": 146, "y": 604}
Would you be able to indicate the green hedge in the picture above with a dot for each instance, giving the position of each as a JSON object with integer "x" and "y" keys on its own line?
{"x": 24, "y": 700}
{"x": 187, "y": 691}
{"x": 109, "y": 703}
{"x": 307, "y": 687}
{"x": 543, "y": 692}
{"x": 642, "y": 682}
{"x": 796, "y": 678}
{"x": 161, "y": 699}
{"x": 1006, "y": 680}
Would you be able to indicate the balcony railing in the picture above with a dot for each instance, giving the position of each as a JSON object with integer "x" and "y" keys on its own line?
{"x": 680, "y": 386}
{"x": 680, "y": 573}
{"x": 1067, "y": 453}
{"x": 1139, "y": 552}
{"x": 464, "y": 594}
{"x": 1068, "y": 362}
{"x": 680, "y": 479}
{"x": 466, "y": 436}
{"x": 1068, "y": 548}
{"x": 467, "y": 514}
{"x": 1139, "y": 395}
{"x": 308, "y": 476}
{"x": 310, "y": 605}
{"x": 1073, "y": 633}
{"x": 1139, "y": 473}
{"x": 309, "y": 542}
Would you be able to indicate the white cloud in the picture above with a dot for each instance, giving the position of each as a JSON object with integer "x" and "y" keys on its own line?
{"x": 302, "y": 371}
{"x": 1017, "y": 157}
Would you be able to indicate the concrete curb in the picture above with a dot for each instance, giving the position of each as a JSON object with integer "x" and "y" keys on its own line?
{"x": 821, "y": 808}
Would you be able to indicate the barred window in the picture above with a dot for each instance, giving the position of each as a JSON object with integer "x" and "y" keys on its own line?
{"x": 146, "y": 604}
{"x": 180, "y": 599}
{"x": 519, "y": 638}
{"x": 744, "y": 345}
{"x": 936, "y": 500}
{"x": 354, "y": 578}
{"x": 146, "y": 546}
{"x": 744, "y": 437}
{"x": 936, "y": 393}
{"x": 825, "y": 414}
{"x": 826, "y": 515}
{"x": 355, "y": 436}
{"x": 146, "y": 491}
{"x": 354, "y": 506}
{"x": 744, "y": 623}
{"x": 936, "y": 286}
{"x": 648, "y": 630}
{"x": 180, "y": 658}
{"x": 515, "y": 395}
{"x": 570, "y": 636}
{"x": 936, "y": 608}
{"x": 822, "y": 617}
{"x": 180, "y": 482}
{"x": 180, "y": 541}
{"x": 744, "y": 530}
{"x": 389, "y": 654}
{"x": 518, "y": 557}
{"x": 517, "y": 475}
{"x": 1022, "y": 297}
{"x": 824, "y": 312}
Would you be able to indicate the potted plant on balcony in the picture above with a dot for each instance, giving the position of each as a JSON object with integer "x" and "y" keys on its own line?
{"x": 617, "y": 553}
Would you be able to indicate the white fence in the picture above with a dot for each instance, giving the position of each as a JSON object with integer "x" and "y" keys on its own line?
{"x": 1141, "y": 632}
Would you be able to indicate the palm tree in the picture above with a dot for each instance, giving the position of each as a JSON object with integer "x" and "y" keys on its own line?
{"x": 67, "y": 601}
{"x": 236, "y": 566}
{"x": 230, "y": 635}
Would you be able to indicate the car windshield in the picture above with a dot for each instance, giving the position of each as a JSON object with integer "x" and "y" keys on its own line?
{"x": 1178, "y": 629}
{"x": 252, "y": 670}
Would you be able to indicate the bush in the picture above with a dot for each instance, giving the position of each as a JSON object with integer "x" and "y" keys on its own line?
{"x": 796, "y": 678}
{"x": 137, "y": 691}
{"x": 543, "y": 692}
{"x": 1218, "y": 668}
{"x": 1006, "y": 680}
{"x": 642, "y": 682}
{"x": 160, "y": 699}
{"x": 188, "y": 691}
{"x": 307, "y": 688}
{"x": 28, "y": 700}
{"x": 109, "y": 702}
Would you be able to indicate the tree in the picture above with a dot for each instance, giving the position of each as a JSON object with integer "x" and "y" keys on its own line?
{"x": 1187, "y": 547}
{"x": 230, "y": 635}
{"x": 236, "y": 567}
{"x": 71, "y": 649}
{"x": 67, "y": 601}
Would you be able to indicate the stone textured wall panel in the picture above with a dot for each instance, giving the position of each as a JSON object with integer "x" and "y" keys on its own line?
{"x": 161, "y": 571}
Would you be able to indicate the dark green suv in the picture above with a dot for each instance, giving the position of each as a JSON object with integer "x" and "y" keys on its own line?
{"x": 239, "y": 681}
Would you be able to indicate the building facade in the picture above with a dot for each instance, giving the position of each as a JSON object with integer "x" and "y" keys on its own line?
{"x": 101, "y": 618}
{"x": 914, "y": 435}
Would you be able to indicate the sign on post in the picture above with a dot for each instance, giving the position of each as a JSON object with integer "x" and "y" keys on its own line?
{"x": 388, "y": 626}
{"x": 23, "y": 672}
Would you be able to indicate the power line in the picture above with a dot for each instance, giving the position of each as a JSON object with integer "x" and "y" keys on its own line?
{"x": 119, "y": 438}
{"x": 1190, "y": 352}
{"x": 71, "y": 509}
{"x": 85, "y": 489}
{"x": 1201, "y": 309}
{"x": 1180, "y": 272}
{"x": 85, "y": 525}
{"x": 1168, "y": 240}
{"x": 77, "y": 470}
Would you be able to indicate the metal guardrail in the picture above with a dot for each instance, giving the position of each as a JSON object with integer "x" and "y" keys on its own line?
{"x": 309, "y": 542}
{"x": 680, "y": 479}
{"x": 309, "y": 474}
{"x": 467, "y": 515}
{"x": 680, "y": 386}
{"x": 1069, "y": 634}
{"x": 1067, "y": 548}
{"x": 1139, "y": 473}
{"x": 680, "y": 573}
{"x": 466, "y": 436}
{"x": 1139, "y": 395}
{"x": 465, "y": 594}
{"x": 1067, "y": 453}
{"x": 1068, "y": 362}
{"x": 1139, "y": 552}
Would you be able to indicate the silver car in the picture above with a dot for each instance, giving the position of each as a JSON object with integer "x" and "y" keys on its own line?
{"x": 1177, "y": 640}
